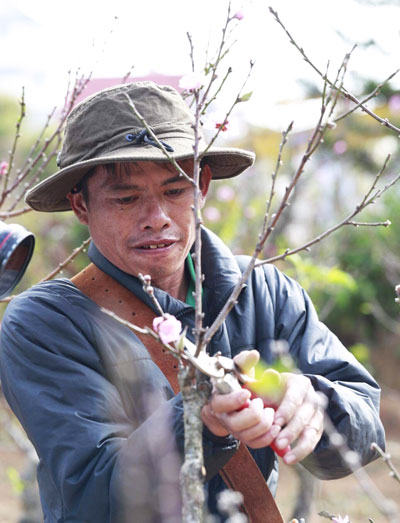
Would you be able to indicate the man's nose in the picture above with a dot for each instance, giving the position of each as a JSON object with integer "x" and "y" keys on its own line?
{"x": 155, "y": 215}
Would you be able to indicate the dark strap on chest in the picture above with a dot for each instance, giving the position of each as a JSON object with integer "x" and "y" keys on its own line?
{"x": 241, "y": 473}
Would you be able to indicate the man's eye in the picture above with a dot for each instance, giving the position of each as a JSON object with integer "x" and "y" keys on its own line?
{"x": 126, "y": 199}
{"x": 175, "y": 192}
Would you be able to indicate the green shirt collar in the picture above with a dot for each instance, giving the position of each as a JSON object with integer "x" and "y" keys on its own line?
{"x": 192, "y": 281}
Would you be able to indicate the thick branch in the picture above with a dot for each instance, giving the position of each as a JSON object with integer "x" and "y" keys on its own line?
{"x": 192, "y": 471}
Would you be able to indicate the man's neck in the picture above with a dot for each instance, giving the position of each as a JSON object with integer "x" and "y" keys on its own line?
{"x": 176, "y": 286}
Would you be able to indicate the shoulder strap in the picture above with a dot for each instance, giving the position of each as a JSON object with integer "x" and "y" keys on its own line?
{"x": 241, "y": 473}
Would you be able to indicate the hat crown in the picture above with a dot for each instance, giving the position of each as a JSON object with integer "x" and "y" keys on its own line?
{"x": 101, "y": 122}
{"x": 104, "y": 129}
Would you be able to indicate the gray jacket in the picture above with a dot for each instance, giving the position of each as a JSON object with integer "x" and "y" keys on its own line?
{"x": 103, "y": 418}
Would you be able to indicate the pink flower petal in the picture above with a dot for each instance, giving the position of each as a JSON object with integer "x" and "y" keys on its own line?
{"x": 167, "y": 327}
{"x": 239, "y": 15}
{"x": 3, "y": 168}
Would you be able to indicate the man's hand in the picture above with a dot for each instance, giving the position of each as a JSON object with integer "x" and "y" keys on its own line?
{"x": 298, "y": 415}
{"x": 251, "y": 425}
{"x": 300, "y": 418}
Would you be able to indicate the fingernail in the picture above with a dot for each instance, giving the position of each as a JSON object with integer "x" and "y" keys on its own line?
{"x": 279, "y": 421}
{"x": 289, "y": 458}
{"x": 281, "y": 443}
{"x": 244, "y": 396}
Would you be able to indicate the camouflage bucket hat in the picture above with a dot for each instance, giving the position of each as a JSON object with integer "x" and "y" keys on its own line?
{"x": 104, "y": 129}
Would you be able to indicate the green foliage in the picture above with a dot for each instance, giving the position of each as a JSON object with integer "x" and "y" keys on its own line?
{"x": 362, "y": 353}
{"x": 323, "y": 282}
{"x": 14, "y": 477}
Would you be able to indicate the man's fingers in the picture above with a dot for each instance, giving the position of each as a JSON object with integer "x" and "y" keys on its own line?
{"x": 260, "y": 432}
{"x": 227, "y": 403}
{"x": 297, "y": 387}
{"x": 248, "y": 419}
{"x": 307, "y": 441}
{"x": 301, "y": 419}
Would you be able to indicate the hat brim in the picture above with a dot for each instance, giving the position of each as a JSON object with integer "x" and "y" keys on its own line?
{"x": 50, "y": 194}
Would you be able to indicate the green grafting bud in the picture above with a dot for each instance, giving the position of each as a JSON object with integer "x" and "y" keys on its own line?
{"x": 269, "y": 384}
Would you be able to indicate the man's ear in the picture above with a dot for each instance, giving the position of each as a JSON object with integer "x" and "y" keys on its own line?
{"x": 205, "y": 179}
{"x": 79, "y": 206}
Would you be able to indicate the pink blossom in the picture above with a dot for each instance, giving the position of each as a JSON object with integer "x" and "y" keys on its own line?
{"x": 340, "y": 147}
{"x": 225, "y": 193}
{"x": 394, "y": 103}
{"x": 212, "y": 214}
{"x": 339, "y": 519}
{"x": 239, "y": 15}
{"x": 192, "y": 81}
{"x": 167, "y": 327}
{"x": 3, "y": 168}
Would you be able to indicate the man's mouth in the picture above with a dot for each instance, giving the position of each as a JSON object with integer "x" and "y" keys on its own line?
{"x": 153, "y": 246}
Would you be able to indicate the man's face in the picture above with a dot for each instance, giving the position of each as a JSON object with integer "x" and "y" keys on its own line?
{"x": 141, "y": 218}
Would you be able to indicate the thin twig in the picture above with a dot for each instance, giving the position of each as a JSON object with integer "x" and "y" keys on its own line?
{"x": 127, "y": 74}
{"x": 167, "y": 155}
{"x": 268, "y": 226}
{"x": 5, "y": 215}
{"x": 199, "y": 332}
{"x": 386, "y": 457}
{"x": 235, "y": 102}
{"x": 374, "y": 93}
{"x": 267, "y": 229}
{"x": 149, "y": 289}
{"x": 386, "y": 223}
{"x": 68, "y": 260}
{"x": 214, "y": 96}
{"x": 13, "y": 148}
{"x": 140, "y": 330}
{"x": 32, "y": 162}
{"x": 275, "y": 174}
{"x": 220, "y": 55}
{"x": 46, "y": 159}
{"x": 383, "y": 121}
{"x": 38, "y": 139}
{"x": 367, "y": 200}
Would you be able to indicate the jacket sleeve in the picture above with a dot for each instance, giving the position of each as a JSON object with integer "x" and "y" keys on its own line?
{"x": 352, "y": 394}
{"x": 99, "y": 460}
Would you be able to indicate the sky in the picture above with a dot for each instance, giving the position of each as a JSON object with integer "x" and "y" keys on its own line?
{"x": 42, "y": 40}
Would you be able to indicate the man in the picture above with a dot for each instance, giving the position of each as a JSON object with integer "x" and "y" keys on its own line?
{"x": 99, "y": 411}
